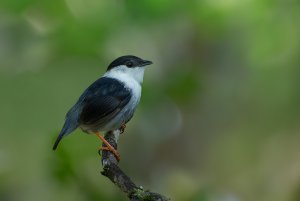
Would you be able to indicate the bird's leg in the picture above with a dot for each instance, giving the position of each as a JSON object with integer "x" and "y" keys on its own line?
{"x": 122, "y": 128}
{"x": 108, "y": 147}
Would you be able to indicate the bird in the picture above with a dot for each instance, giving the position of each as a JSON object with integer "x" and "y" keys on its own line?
{"x": 109, "y": 103}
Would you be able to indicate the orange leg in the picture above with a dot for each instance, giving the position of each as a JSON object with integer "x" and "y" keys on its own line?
{"x": 108, "y": 146}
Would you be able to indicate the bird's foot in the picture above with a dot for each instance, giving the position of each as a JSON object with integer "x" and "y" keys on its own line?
{"x": 108, "y": 147}
{"x": 122, "y": 128}
{"x": 114, "y": 152}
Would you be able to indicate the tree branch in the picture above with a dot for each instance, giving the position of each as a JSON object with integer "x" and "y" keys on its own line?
{"x": 112, "y": 171}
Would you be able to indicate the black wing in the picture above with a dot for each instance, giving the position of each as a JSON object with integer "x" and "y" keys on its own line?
{"x": 102, "y": 101}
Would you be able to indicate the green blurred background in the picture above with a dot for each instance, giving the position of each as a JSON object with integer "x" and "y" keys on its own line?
{"x": 219, "y": 116}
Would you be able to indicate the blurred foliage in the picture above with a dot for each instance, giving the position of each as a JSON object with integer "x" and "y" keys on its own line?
{"x": 219, "y": 116}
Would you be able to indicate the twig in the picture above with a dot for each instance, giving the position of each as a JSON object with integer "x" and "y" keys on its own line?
{"x": 112, "y": 171}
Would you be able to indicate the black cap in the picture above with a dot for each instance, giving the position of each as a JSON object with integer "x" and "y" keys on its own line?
{"x": 130, "y": 61}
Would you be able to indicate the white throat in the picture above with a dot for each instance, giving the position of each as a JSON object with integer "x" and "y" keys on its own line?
{"x": 125, "y": 74}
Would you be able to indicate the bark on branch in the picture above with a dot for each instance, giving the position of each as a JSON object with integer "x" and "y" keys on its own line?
{"x": 112, "y": 171}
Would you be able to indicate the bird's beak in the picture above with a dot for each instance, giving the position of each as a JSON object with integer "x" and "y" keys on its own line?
{"x": 146, "y": 63}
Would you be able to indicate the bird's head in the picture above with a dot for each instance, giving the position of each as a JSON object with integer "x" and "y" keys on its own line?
{"x": 128, "y": 61}
{"x": 130, "y": 65}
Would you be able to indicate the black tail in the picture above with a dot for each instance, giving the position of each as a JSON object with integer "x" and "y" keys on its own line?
{"x": 62, "y": 133}
{"x": 58, "y": 139}
{"x": 71, "y": 123}
{"x": 66, "y": 130}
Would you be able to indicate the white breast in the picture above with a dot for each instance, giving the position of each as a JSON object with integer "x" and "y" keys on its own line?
{"x": 132, "y": 79}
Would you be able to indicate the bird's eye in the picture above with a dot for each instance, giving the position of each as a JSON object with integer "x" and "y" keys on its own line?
{"x": 129, "y": 64}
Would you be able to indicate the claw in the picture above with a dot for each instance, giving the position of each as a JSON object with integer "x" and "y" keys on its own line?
{"x": 107, "y": 147}
{"x": 122, "y": 128}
